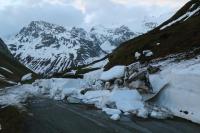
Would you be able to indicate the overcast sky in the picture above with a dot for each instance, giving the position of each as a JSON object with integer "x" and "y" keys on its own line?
{"x": 14, "y": 14}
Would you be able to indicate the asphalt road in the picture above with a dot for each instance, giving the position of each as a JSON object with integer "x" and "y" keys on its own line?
{"x": 48, "y": 116}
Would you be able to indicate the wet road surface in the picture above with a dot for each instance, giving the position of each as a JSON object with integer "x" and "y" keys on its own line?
{"x": 48, "y": 116}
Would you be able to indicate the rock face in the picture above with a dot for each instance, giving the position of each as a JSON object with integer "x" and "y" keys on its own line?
{"x": 47, "y": 48}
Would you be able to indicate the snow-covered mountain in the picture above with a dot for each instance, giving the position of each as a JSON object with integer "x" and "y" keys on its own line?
{"x": 48, "y": 48}
{"x": 109, "y": 38}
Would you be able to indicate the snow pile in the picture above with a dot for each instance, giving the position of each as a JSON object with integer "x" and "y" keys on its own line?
{"x": 126, "y": 100}
{"x": 181, "y": 95}
{"x": 113, "y": 73}
{"x": 27, "y": 77}
{"x": 112, "y": 102}
{"x": 58, "y": 89}
{"x": 17, "y": 94}
{"x": 177, "y": 86}
{"x": 97, "y": 97}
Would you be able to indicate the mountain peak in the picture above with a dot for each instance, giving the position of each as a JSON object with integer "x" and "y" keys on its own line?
{"x": 35, "y": 28}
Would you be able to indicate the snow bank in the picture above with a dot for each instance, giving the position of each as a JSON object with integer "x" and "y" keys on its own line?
{"x": 181, "y": 96}
{"x": 115, "y": 72}
{"x": 126, "y": 100}
{"x": 27, "y": 77}
{"x": 17, "y": 94}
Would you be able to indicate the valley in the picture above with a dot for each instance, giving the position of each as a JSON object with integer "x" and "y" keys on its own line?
{"x": 57, "y": 79}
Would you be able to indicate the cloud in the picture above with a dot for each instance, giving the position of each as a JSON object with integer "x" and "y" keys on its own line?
{"x": 174, "y": 3}
{"x": 14, "y": 14}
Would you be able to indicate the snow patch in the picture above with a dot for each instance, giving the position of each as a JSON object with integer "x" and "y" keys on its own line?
{"x": 27, "y": 77}
{"x": 137, "y": 55}
{"x": 147, "y": 53}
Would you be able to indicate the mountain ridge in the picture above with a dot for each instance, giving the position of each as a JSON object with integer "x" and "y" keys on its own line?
{"x": 48, "y": 48}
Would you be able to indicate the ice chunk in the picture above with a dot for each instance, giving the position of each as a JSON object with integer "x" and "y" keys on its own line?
{"x": 113, "y": 73}
{"x": 127, "y": 100}
{"x": 111, "y": 111}
{"x": 115, "y": 117}
{"x": 27, "y": 77}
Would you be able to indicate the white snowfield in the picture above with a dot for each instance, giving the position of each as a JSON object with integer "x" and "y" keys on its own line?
{"x": 180, "y": 97}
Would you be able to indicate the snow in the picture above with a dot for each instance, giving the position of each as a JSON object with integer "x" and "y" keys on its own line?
{"x": 181, "y": 94}
{"x": 110, "y": 111}
{"x": 126, "y": 100}
{"x": 17, "y": 94}
{"x": 96, "y": 97}
{"x": 27, "y": 77}
{"x": 137, "y": 55}
{"x": 113, "y": 73}
{"x": 184, "y": 17}
{"x": 107, "y": 47}
{"x": 115, "y": 117}
{"x": 2, "y": 76}
{"x": 147, "y": 53}
{"x": 158, "y": 44}
{"x": 5, "y": 69}
{"x": 177, "y": 84}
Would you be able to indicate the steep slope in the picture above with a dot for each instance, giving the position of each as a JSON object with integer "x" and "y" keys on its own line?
{"x": 47, "y": 48}
{"x": 181, "y": 33}
{"x": 11, "y": 71}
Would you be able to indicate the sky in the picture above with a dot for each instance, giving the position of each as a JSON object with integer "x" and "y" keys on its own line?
{"x": 15, "y": 14}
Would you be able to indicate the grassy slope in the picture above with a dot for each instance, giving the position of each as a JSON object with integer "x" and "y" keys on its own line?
{"x": 177, "y": 38}
{"x": 7, "y": 61}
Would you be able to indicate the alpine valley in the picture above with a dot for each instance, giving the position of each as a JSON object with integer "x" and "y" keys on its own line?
{"x": 47, "y": 48}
